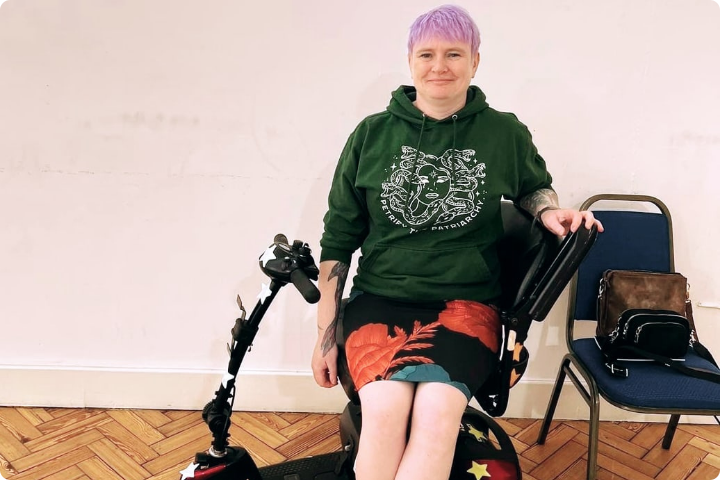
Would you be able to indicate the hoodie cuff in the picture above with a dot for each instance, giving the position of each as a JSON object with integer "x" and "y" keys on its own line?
{"x": 338, "y": 254}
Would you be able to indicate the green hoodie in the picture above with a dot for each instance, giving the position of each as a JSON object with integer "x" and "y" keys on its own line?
{"x": 421, "y": 198}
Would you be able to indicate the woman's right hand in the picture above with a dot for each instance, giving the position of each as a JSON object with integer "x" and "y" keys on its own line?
{"x": 331, "y": 281}
{"x": 324, "y": 366}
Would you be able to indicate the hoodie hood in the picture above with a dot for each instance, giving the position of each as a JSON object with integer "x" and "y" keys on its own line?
{"x": 401, "y": 105}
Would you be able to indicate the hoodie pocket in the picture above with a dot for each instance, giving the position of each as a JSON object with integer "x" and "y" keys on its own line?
{"x": 457, "y": 265}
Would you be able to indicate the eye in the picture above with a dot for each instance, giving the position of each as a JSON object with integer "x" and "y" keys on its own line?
{"x": 453, "y": 54}
{"x": 424, "y": 55}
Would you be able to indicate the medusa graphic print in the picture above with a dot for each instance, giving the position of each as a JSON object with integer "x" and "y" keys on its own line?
{"x": 429, "y": 192}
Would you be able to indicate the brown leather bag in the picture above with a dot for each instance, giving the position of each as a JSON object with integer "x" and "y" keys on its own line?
{"x": 621, "y": 290}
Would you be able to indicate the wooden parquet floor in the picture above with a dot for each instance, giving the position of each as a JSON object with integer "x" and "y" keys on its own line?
{"x": 92, "y": 444}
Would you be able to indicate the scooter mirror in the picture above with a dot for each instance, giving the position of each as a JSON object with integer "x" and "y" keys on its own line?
{"x": 240, "y": 305}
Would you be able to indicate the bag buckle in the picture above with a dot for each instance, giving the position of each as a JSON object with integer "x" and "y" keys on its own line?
{"x": 617, "y": 370}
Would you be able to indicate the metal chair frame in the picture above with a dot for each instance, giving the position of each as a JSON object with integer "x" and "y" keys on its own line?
{"x": 592, "y": 393}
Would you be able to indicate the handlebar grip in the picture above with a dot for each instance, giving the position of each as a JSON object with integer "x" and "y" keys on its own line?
{"x": 308, "y": 289}
{"x": 280, "y": 238}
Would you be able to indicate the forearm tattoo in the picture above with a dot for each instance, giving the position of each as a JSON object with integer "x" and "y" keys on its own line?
{"x": 339, "y": 271}
{"x": 537, "y": 200}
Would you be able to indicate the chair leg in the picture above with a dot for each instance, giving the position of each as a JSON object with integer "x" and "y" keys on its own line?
{"x": 553, "y": 402}
{"x": 593, "y": 435}
{"x": 670, "y": 431}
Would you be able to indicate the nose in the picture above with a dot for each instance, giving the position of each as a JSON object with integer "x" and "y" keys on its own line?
{"x": 439, "y": 65}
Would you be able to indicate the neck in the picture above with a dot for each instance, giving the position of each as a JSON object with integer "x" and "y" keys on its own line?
{"x": 439, "y": 109}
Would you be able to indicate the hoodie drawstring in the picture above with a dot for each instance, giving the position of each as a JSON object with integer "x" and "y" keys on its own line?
{"x": 417, "y": 149}
{"x": 413, "y": 164}
{"x": 452, "y": 152}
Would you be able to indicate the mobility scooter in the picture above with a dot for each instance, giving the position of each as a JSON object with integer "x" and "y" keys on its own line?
{"x": 536, "y": 266}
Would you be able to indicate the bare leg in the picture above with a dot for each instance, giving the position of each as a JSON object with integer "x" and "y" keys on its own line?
{"x": 436, "y": 415}
{"x": 385, "y": 413}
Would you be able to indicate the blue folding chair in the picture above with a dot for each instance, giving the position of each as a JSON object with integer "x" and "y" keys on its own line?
{"x": 634, "y": 239}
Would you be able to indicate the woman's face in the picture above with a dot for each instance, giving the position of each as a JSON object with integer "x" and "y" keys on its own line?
{"x": 433, "y": 184}
{"x": 442, "y": 69}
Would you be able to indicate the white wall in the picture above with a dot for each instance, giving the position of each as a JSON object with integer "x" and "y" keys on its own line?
{"x": 150, "y": 150}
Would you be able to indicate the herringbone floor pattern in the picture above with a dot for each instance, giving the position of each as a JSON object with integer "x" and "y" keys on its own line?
{"x": 91, "y": 444}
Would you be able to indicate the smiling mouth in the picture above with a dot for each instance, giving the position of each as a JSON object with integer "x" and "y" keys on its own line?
{"x": 432, "y": 195}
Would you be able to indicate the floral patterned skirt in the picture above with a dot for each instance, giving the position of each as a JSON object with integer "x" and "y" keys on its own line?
{"x": 454, "y": 342}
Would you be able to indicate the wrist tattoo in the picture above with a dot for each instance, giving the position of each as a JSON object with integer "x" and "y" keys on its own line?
{"x": 538, "y": 201}
{"x": 339, "y": 271}
{"x": 538, "y": 216}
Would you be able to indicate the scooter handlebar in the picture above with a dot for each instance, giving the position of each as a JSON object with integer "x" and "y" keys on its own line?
{"x": 307, "y": 289}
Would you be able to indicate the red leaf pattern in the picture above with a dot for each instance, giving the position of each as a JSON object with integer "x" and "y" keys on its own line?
{"x": 371, "y": 350}
{"x": 473, "y": 319}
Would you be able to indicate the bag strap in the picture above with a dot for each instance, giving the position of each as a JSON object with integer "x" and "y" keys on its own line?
{"x": 669, "y": 362}
{"x": 703, "y": 352}
{"x": 697, "y": 346}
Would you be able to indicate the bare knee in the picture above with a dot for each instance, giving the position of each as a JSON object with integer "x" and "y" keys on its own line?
{"x": 386, "y": 406}
{"x": 437, "y": 412}
{"x": 436, "y": 415}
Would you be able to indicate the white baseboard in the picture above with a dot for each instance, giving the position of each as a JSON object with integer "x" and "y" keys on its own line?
{"x": 161, "y": 389}
{"x": 80, "y": 387}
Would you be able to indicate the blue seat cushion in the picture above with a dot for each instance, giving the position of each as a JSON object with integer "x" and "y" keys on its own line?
{"x": 650, "y": 384}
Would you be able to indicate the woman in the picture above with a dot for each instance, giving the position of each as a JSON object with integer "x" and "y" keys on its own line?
{"x": 418, "y": 190}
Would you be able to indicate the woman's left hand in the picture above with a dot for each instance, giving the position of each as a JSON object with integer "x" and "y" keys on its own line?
{"x": 562, "y": 221}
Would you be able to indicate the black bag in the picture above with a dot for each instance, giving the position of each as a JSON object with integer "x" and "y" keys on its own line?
{"x": 661, "y": 332}
{"x": 658, "y": 335}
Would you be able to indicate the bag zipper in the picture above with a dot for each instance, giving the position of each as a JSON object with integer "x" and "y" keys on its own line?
{"x": 614, "y": 334}
{"x": 599, "y": 306}
{"x": 626, "y": 327}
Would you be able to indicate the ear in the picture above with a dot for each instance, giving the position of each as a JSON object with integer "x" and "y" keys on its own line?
{"x": 476, "y": 63}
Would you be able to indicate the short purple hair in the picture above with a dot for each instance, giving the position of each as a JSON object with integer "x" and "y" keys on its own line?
{"x": 448, "y": 22}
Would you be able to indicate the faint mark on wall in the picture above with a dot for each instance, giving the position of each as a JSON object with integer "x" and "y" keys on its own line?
{"x": 158, "y": 120}
{"x": 696, "y": 139}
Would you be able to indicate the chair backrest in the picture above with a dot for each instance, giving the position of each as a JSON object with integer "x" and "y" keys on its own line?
{"x": 634, "y": 239}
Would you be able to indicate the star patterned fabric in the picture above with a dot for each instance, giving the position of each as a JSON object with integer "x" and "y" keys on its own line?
{"x": 476, "y": 433}
{"x": 189, "y": 472}
{"x": 479, "y": 471}
{"x": 226, "y": 378}
{"x": 268, "y": 255}
{"x": 264, "y": 293}
{"x": 485, "y": 469}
